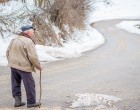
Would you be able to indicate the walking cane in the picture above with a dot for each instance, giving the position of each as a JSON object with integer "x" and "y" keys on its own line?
{"x": 40, "y": 90}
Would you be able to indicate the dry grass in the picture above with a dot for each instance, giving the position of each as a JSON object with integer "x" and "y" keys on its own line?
{"x": 44, "y": 33}
{"x": 70, "y": 13}
{"x": 63, "y": 13}
{"x": 3, "y": 1}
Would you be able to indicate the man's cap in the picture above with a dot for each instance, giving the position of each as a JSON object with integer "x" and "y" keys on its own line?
{"x": 25, "y": 28}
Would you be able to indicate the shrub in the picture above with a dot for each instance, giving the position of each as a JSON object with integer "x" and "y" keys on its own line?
{"x": 70, "y": 13}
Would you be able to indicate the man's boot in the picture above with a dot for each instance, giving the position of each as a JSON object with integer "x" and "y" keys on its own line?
{"x": 33, "y": 105}
{"x": 18, "y": 102}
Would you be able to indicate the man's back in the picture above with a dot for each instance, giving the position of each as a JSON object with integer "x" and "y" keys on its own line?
{"x": 19, "y": 51}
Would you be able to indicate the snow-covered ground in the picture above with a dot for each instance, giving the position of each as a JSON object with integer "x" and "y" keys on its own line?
{"x": 82, "y": 40}
{"x": 130, "y": 26}
{"x": 126, "y": 9}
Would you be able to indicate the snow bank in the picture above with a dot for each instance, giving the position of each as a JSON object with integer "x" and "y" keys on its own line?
{"x": 115, "y": 10}
{"x": 81, "y": 41}
{"x": 3, "y": 46}
{"x": 130, "y": 26}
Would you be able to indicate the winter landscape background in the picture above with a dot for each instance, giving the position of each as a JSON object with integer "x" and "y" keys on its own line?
{"x": 81, "y": 40}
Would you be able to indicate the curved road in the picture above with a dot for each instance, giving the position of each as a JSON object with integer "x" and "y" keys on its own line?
{"x": 112, "y": 69}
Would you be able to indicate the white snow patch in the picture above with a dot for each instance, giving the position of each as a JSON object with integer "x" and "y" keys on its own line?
{"x": 118, "y": 9}
{"x": 82, "y": 40}
{"x": 15, "y": 7}
{"x": 130, "y": 26}
{"x": 12, "y": 11}
{"x": 98, "y": 101}
{"x": 3, "y": 47}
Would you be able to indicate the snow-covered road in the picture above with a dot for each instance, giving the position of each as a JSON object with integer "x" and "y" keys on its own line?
{"x": 112, "y": 69}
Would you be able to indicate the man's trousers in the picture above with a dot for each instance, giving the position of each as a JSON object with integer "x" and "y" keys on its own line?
{"x": 29, "y": 84}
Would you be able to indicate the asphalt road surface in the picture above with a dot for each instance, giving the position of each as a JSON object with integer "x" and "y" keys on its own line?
{"x": 112, "y": 69}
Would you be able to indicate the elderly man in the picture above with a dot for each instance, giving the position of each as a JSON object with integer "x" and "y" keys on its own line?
{"x": 23, "y": 59}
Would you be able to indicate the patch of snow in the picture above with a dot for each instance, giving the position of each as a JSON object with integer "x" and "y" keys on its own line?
{"x": 130, "y": 26}
{"x": 96, "y": 101}
{"x": 12, "y": 12}
{"x": 16, "y": 8}
{"x": 4, "y": 45}
{"x": 82, "y": 40}
{"x": 117, "y": 9}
